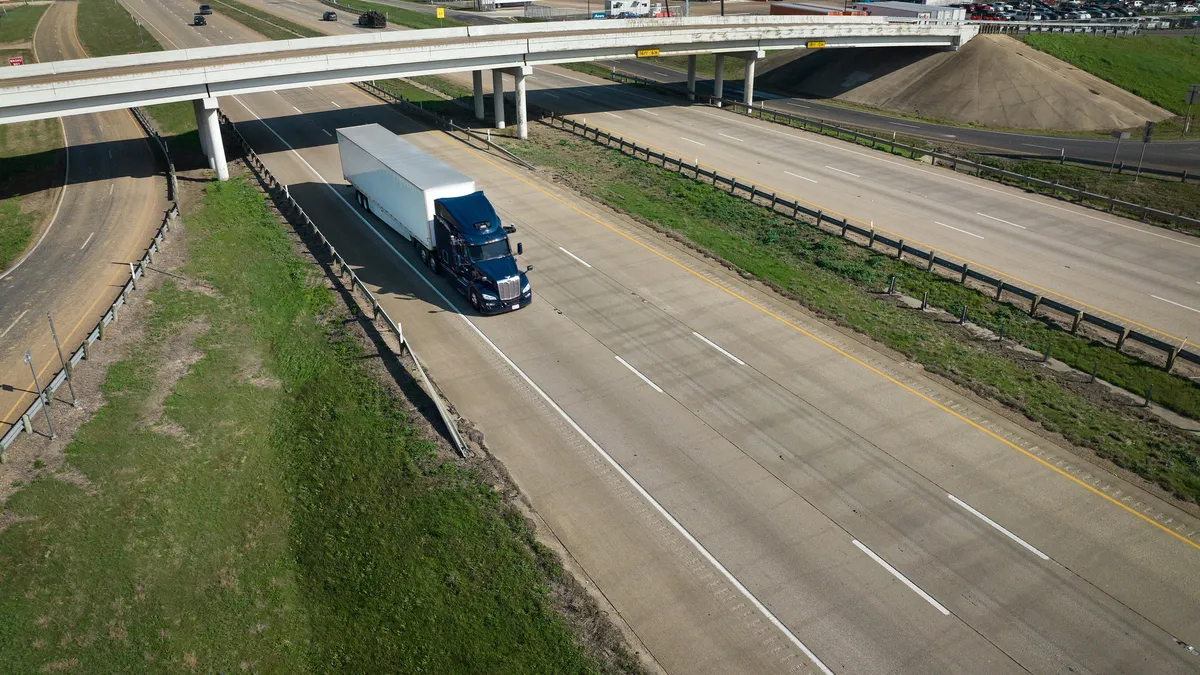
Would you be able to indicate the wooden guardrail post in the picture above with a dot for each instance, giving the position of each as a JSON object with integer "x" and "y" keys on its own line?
{"x": 999, "y": 289}
{"x": 965, "y": 271}
{"x": 1033, "y": 306}
{"x": 1075, "y": 322}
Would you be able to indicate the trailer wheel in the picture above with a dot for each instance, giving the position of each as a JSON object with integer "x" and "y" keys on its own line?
{"x": 359, "y": 196}
{"x": 424, "y": 254}
{"x": 433, "y": 264}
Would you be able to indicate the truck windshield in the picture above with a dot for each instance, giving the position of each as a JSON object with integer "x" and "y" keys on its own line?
{"x": 488, "y": 251}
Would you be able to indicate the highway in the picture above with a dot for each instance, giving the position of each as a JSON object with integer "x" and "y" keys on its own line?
{"x": 753, "y": 490}
{"x": 1161, "y": 153}
{"x": 112, "y": 204}
{"x": 1145, "y": 276}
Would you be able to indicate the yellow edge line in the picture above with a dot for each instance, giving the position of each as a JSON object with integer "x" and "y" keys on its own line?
{"x": 921, "y": 243}
{"x": 869, "y": 367}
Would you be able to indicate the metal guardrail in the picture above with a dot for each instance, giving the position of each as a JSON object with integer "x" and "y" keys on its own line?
{"x": 45, "y": 396}
{"x": 341, "y": 269}
{"x": 991, "y": 27}
{"x": 1082, "y": 197}
{"x": 137, "y": 271}
{"x": 445, "y": 123}
{"x": 1000, "y": 288}
{"x": 1120, "y": 168}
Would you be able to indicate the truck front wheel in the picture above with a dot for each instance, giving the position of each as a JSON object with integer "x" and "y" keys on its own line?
{"x": 475, "y": 301}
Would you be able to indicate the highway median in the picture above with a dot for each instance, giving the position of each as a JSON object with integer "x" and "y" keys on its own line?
{"x": 848, "y": 284}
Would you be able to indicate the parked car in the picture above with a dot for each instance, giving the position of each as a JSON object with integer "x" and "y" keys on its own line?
{"x": 206, "y": 9}
{"x": 329, "y": 16}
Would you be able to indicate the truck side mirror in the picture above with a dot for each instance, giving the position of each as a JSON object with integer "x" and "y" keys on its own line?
{"x": 529, "y": 268}
{"x": 520, "y": 249}
{"x": 511, "y": 229}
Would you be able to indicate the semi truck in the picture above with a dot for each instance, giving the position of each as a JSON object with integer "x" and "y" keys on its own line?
{"x": 453, "y": 226}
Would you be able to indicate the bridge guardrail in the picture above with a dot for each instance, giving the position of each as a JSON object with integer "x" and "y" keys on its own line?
{"x": 341, "y": 269}
{"x": 996, "y": 285}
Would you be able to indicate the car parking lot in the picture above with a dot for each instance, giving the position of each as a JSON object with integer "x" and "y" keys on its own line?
{"x": 1131, "y": 11}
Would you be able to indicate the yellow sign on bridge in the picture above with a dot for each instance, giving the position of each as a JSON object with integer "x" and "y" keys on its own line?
{"x": 816, "y": 44}
{"x": 643, "y": 53}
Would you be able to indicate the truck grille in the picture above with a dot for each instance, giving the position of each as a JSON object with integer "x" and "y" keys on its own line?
{"x": 510, "y": 288}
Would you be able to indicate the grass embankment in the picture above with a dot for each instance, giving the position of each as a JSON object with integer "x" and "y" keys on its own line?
{"x": 270, "y": 510}
{"x": 843, "y": 281}
{"x": 105, "y": 28}
{"x": 1171, "y": 196}
{"x": 264, "y": 23}
{"x": 402, "y": 17}
{"x": 16, "y": 32}
{"x": 406, "y": 90}
{"x": 29, "y": 157}
{"x": 1156, "y": 68}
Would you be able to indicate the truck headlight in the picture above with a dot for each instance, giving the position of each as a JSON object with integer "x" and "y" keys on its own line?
{"x": 489, "y": 297}
{"x": 525, "y": 288}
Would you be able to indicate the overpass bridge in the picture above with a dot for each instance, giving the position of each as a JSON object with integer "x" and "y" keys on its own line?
{"x": 203, "y": 75}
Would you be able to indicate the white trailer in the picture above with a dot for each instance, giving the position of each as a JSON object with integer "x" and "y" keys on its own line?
{"x": 397, "y": 181}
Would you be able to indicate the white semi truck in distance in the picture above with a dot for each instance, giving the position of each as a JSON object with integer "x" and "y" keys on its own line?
{"x": 452, "y": 225}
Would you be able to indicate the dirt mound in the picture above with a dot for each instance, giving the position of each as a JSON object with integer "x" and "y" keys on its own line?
{"x": 993, "y": 80}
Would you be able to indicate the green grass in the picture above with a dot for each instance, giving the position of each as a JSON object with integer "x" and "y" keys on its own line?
{"x": 18, "y": 23}
{"x": 264, "y": 23}
{"x": 425, "y": 99}
{"x": 1171, "y": 196}
{"x": 106, "y": 29}
{"x": 1156, "y": 68}
{"x": 176, "y": 123}
{"x": 397, "y": 15}
{"x": 29, "y": 160}
{"x": 276, "y": 512}
{"x": 843, "y": 281}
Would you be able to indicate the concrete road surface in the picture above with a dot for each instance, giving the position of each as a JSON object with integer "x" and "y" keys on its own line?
{"x": 112, "y": 204}
{"x": 1161, "y": 153}
{"x": 751, "y": 489}
{"x": 1142, "y": 275}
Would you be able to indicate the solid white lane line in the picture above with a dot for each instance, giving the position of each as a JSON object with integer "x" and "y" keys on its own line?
{"x": 577, "y": 258}
{"x": 10, "y": 326}
{"x": 799, "y": 176}
{"x": 662, "y": 511}
{"x": 85, "y": 241}
{"x": 843, "y": 171}
{"x": 733, "y": 137}
{"x": 614, "y": 115}
{"x": 957, "y": 230}
{"x": 297, "y": 110}
{"x": 635, "y": 372}
{"x": 999, "y": 527}
{"x": 1001, "y": 220}
{"x": 327, "y": 132}
{"x": 1176, "y": 303}
{"x": 717, "y": 347}
{"x": 691, "y": 141}
{"x": 902, "y": 578}
{"x": 901, "y": 124}
{"x": 651, "y": 113}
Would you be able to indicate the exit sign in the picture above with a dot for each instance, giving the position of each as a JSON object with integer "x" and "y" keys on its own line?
{"x": 16, "y": 61}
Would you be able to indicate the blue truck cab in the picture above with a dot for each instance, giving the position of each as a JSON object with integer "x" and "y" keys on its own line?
{"x": 473, "y": 248}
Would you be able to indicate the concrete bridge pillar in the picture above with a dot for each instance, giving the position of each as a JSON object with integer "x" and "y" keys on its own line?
{"x": 748, "y": 83}
{"x": 692, "y": 77}
{"x": 498, "y": 96}
{"x": 210, "y": 135}
{"x": 477, "y": 81}
{"x": 519, "y": 74}
{"x": 719, "y": 78}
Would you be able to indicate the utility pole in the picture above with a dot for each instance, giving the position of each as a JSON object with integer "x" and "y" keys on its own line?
{"x": 1193, "y": 95}
{"x": 66, "y": 368}
{"x": 45, "y": 403}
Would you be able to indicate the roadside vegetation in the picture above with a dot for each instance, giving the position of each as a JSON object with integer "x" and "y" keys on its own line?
{"x": 1156, "y": 68}
{"x": 250, "y": 499}
{"x": 30, "y": 160}
{"x": 845, "y": 282}
{"x": 397, "y": 15}
{"x": 106, "y": 28}
{"x": 264, "y": 23}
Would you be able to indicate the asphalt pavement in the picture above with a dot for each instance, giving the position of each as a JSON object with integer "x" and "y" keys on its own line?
{"x": 112, "y": 204}
{"x": 1170, "y": 155}
{"x": 753, "y": 490}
